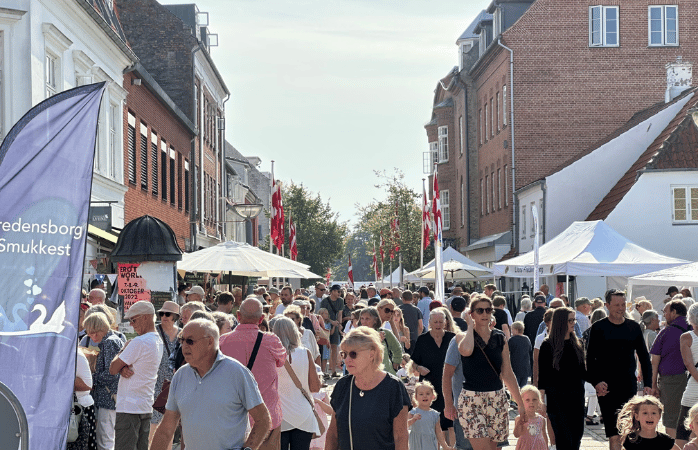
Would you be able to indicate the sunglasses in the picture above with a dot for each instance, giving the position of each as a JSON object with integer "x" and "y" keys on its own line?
{"x": 352, "y": 354}
{"x": 165, "y": 313}
{"x": 388, "y": 311}
{"x": 322, "y": 290}
{"x": 188, "y": 341}
{"x": 483, "y": 310}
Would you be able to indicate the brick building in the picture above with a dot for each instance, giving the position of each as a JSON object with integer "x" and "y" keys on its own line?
{"x": 158, "y": 138}
{"x": 546, "y": 80}
{"x": 173, "y": 43}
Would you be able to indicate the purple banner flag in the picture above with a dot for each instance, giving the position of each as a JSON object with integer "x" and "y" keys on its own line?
{"x": 46, "y": 165}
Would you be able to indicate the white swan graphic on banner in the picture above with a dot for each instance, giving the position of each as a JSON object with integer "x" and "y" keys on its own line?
{"x": 56, "y": 323}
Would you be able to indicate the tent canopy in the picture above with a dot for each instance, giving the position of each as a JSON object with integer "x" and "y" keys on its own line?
{"x": 587, "y": 249}
{"x": 395, "y": 275}
{"x": 685, "y": 275}
{"x": 457, "y": 270}
{"x": 243, "y": 260}
{"x": 449, "y": 254}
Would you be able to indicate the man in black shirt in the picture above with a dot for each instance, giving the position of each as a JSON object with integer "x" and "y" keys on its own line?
{"x": 533, "y": 319}
{"x": 413, "y": 318}
{"x": 500, "y": 315}
{"x": 613, "y": 343}
{"x": 457, "y": 306}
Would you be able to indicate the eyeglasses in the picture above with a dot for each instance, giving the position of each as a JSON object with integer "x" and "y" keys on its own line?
{"x": 188, "y": 341}
{"x": 132, "y": 320}
{"x": 483, "y": 310}
{"x": 388, "y": 311}
{"x": 352, "y": 354}
{"x": 165, "y": 313}
{"x": 571, "y": 320}
{"x": 322, "y": 290}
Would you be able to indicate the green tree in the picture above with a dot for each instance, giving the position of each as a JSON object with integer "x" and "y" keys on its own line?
{"x": 377, "y": 216}
{"x": 320, "y": 236}
{"x": 361, "y": 260}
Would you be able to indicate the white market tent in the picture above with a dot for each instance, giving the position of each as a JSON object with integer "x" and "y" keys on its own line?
{"x": 685, "y": 276}
{"x": 457, "y": 270}
{"x": 449, "y": 254}
{"x": 588, "y": 249}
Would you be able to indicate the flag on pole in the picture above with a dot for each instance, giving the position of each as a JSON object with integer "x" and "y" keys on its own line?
{"x": 281, "y": 234}
{"x": 380, "y": 247}
{"x": 439, "y": 287}
{"x": 292, "y": 238}
{"x": 426, "y": 219}
{"x": 46, "y": 163}
{"x": 375, "y": 262}
{"x": 329, "y": 274}
{"x": 396, "y": 229}
{"x": 350, "y": 274}
{"x": 536, "y": 247}
{"x": 275, "y": 201}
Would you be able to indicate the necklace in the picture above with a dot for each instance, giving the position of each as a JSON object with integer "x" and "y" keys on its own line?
{"x": 369, "y": 384}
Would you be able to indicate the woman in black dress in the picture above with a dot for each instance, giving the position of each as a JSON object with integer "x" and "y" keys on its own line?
{"x": 561, "y": 375}
{"x": 430, "y": 354}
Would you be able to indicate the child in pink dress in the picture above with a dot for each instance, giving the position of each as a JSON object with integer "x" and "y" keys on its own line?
{"x": 323, "y": 408}
{"x": 531, "y": 434}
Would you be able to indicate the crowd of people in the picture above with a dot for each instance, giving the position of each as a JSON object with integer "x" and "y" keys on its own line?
{"x": 403, "y": 370}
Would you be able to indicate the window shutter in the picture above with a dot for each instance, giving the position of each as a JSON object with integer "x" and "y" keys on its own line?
{"x": 131, "y": 154}
{"x": 144, "y": 161}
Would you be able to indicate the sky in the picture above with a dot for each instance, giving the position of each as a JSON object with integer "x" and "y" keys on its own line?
{"x": 332, "y": 90}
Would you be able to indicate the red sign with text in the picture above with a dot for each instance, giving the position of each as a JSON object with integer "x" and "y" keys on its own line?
{"x": 131, "y": 285}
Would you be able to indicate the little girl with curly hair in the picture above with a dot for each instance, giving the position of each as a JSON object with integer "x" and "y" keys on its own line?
{"x": 637, "y": 425}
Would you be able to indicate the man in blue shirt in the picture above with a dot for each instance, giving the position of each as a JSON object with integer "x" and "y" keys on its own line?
{"x": 424, "y": 302}
{"x": 212, "y": 394}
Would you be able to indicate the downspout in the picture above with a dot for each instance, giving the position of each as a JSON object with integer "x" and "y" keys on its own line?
{"x": 514, "y": 207}
{"x": 221, "y": 200}
{"x": 193, "y": 224}
{"x": 467, "y": 158}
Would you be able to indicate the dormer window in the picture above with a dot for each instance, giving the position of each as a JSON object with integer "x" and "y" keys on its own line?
{"x": 483, "y": 40}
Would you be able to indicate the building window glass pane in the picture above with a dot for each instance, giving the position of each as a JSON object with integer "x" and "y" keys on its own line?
{"x": 443, "y": 144}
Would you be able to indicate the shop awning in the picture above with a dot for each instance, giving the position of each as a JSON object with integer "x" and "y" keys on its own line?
{"x": 98, "y": 232}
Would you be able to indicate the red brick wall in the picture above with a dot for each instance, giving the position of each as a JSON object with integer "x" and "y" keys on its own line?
{"x": 138, "y": 202}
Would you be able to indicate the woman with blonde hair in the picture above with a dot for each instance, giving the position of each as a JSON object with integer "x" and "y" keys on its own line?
{"x": 370, "y": 404}
{"x": 400, "y": 330}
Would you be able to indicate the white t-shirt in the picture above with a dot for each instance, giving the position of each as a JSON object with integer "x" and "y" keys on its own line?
{"x": 82, "y": 371}
{"x": 540, "y": 338}
{"x": 308, "y": 340}
{"x": 135, "y": 394}
{"x": 280, "y": 309}
{"x": 387, "y": 326}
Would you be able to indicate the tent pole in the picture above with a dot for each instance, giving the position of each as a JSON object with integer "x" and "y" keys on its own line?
{"x": 567, "y": 286}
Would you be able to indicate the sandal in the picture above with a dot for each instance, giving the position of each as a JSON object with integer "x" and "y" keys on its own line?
{"x": 591, "y": 421}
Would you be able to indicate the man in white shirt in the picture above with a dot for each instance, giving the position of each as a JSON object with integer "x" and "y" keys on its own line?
{"x": 138, "y": 364}
{"x": 583, "y": 307}
{"x": 286, "y": 299}
{"x": 320, "y": 290}
{"x": 424, "y": 302}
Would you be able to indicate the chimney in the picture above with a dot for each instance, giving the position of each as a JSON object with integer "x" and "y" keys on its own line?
{"x": 679, "y": 77}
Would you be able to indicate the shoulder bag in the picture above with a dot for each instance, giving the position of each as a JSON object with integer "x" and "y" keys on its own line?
{"x": 255, "y": 350}
{"x": 161, "y": 400}
{"x": 321, "y": 335}
{"x": 298, "y": 384}
{"x": 499, "y": 374}
{"x": 75, "y": 419}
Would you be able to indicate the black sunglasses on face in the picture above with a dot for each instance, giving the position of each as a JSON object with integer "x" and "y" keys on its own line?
{"x": 345, "y": 355}
{"x": 188, "y": 341}
{"x": 483, "y": 310}
{"x": 388, "y": 311}
{"x": 165, "y": 313}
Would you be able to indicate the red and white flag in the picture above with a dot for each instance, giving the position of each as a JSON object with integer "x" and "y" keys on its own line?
{"x": 436, "y": 209}
{"x": 329, "y": 274}
{"x": 292, "y": 239}
{"x": 380, "y": 248}
{"x": 375, "y": 261}
{"x": 351, "y": 274}
{"x": 426, "y": 219}
{"x": 275, "y": 209}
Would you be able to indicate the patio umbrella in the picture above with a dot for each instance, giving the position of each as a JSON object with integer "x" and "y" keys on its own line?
{"x": 458, "y": 271}
{"x": 244, "y": 260}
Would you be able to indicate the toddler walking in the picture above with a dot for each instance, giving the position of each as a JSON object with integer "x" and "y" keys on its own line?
{"x": 424, "y": 424}
{"x": 637, "y": 425}
{"x": 692, "y": 424}
{"x": 531, "y": 432}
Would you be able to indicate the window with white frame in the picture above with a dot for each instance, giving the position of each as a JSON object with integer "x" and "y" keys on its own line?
{"x": 443, "y": 144}
{"x": 131, "y": 148}
{"x": 603, "y": 26}
{"x": 52, "y": 68}
{"x": 479, "y": 128}
{"x": 499, "y": 118}
{"x": 446, "y": 209}
{"x": 533, "y": 223}
{"x": 486, "y": 119}
{"x": 113, "y": 143}
{"x": 492, "y": 184}
{"x": 685, "y": 208}
{"x": 523, "y": 222}
{"x": 663, "y": 25}
{"x": 499, "y": 188}
{"x": 487, "y": 188}
{"x": 506, "y": 185}
{"x": 482, "y": 197}
{"x": 55, "y": 45}
{"x": 492, "y": 116}
{"x": 504, "y": 105}
{"x": 434, "y": 151}
{"x": 460, "y": 132}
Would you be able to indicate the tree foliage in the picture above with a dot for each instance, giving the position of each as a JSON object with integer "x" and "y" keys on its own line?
{"x": 320, "y": 236}
{"x": 356, "y": 243}
{"x": 377, "y": 216}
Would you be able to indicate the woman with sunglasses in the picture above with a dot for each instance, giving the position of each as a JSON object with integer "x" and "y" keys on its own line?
{"x": 392, "y": 352}
{"x": 429, "y": 357}
{"x": 370, "y": 405}
{"x": 483, "y": 408}
{"x": 168, "y": 330}
{"x": 561, "y": 374}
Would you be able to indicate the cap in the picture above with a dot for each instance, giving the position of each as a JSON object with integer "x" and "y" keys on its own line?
{"x": 301, "y": 303}
{"x": 540, "y": 299}
{"x": 336, "y": 287}
{"x": 672, "y": 289}
{"x": 169, "y": 307}
{"x": 196, "y": 290}
{"x": 581, "y": 301}
{"x": 424, "y": 290}
{"x": 458, "y": 304}
{"x": 273, "y": 291}
{"x": 138, "y": 308}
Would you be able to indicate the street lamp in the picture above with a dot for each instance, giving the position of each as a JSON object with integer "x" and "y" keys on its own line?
{"x": 247, "y": 210}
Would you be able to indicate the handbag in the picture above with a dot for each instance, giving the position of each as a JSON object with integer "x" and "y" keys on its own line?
{"x": 321, "y": 335}
{"x": 297, "y": 382}
{"x": 75, "y": 419}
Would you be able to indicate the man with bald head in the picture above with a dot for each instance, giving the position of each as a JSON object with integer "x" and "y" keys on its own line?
{"x": 269, "y": 355}
{"x": 216, "y": 416}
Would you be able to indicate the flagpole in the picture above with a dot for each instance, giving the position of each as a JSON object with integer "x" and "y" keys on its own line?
{"x": 421, "y": 247}
{"x": 271, "y": 216}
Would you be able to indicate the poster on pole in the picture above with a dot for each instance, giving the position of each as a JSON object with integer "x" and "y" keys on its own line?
{"x": 132, "y": 286}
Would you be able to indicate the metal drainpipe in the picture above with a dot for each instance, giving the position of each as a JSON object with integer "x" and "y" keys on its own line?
{"x": 513, "y": 154}
{"x": 221, "y": 200}
{"x": 467, "y": 158}
{"x": 193, "y": 224}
